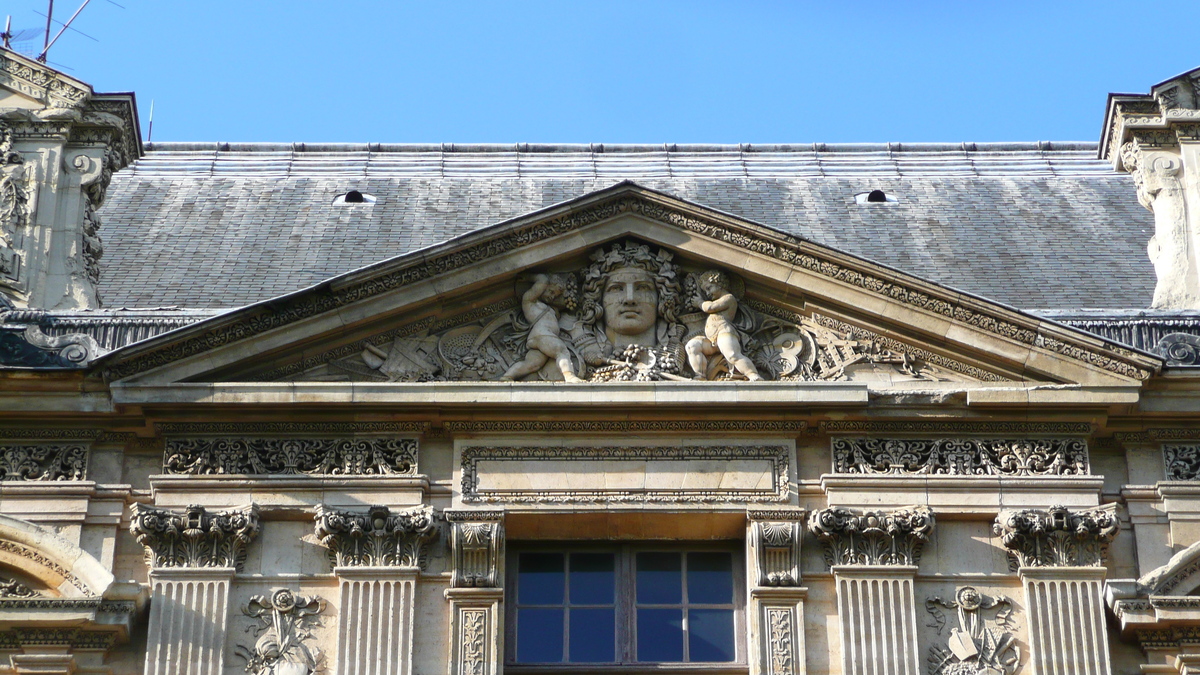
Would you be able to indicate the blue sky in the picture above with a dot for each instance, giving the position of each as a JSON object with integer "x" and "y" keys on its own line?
{"x": 614, "y": 71}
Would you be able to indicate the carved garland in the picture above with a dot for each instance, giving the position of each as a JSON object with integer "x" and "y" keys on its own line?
{"x": 310, "y": 456}
{"x": 961, "y": 457}
{"x": 872, "y": 537}
{"x": 194, "y": 538}
{"x": 1057, "y": 537}
{"x": 376, "y": 537}
{"x": 777, "y": 455}
{"x": 788, "y": 249}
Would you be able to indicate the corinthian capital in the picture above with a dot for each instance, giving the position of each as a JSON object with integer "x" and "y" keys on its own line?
{"x": 872, "y": 537}
{"x": 376, "y": 537}
{"x": 1057, "y": 537}
{"x": 194, "y": 538}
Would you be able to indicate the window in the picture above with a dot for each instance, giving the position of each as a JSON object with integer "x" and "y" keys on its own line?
{"x": 627, "y": 605}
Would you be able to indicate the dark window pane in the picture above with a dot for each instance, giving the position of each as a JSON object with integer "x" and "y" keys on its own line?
{"x": 659, "y": 579}
{"x": 540, "y": 579}
{"x": 659, "y": 635}
{"x": 592, "y": 635}
{"x": 710, "y": 578}
{"x": 710, "y": 635}
{"x": 540, "y": 635}
{"x": 592, "y": 578}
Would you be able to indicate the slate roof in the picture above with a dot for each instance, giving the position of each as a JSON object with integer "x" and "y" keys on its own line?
{"x": 1033, "y": 225}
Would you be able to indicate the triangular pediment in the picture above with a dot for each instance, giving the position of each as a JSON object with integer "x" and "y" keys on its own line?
{"x": 695, "y": 282}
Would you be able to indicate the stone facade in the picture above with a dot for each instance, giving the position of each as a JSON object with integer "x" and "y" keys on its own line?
{"x": 630, "y": 433}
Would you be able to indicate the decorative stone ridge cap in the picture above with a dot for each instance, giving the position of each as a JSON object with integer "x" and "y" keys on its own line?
{"x": 41, "y": 82}
{"x": 627, "y": 198}
{"x": 195, "y": 537}
{"x": 1058, "y": 536}
{"x": 1183, "y": 567}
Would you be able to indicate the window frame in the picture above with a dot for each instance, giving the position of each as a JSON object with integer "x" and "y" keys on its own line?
{"x": 625, "y": 605}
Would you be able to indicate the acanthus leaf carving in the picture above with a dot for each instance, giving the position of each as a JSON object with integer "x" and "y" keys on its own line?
{"x": 1058, "y": 536}
{"x": 195, "y": 537}
{"x": 1182, "y": 461}
{"x": 961, "y": 456}
{"x": 855, "y": 537}
{"x": 363, "y": 456}
{"x": 284, "y": 628}
{"x": 43, "y": 461}
{"x": 377, "y": 537}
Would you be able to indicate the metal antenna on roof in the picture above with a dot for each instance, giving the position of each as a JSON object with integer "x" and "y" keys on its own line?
{"x": 49, "y": 18}
{"x": 150, "y": 133}
{"x": 12, "y": 37}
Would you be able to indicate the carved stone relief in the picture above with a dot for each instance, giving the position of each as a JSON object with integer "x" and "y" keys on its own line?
{"x": 377, "y": 537}
{"x": 961, "y": 456}
{"x": 477, "y": 541}
{"x": 381, "y": 456}
{"x": 284, "y": 627}
{"x": 15, "y": 205}
{"x": 43, "y": 461}
{"x": 194, "y": 538}
{"x": 636, "y": 314}
{"x": 776, "y": 537}
{"x": 1182, "y": 461}
{"x": 1057, "y": 537}
{"x": 1179, "y": 349}
{"x": 11, "y": 588}
{"x": 872, "y": 537}
{"x": 978, "y": 646}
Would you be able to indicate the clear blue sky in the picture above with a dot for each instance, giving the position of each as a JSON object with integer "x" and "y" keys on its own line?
{"x": 613, "y": 71}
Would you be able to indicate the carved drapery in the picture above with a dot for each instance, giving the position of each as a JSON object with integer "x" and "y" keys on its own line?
{"x": 1057, "y": 537}
{"x": 194, "y": 538}
{"x": 961, "y": 456}
{"x": 377, "y": 537}
{"x": 872, "y": 537}
{"x": 284, "y": 630}
{"x": 477, "y": 542}
{"x": 43, "y": 461}
{"x": 378, "y": 456}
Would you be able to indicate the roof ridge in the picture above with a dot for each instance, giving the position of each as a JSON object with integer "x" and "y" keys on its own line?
{"x": 608, "y": 148}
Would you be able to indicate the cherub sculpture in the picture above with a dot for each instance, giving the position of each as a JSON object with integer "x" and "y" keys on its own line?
{"x": 543, "y": 344}
{"x": 720, "y": 335}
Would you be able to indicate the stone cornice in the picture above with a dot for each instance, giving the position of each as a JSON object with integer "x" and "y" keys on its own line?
{"x": 1160, "y": 118}
{"x": 1057, "y": 537}
{"x": 41, "y": 82}
{"x": 624, "y": 426}
{"x": 620, "y": 200}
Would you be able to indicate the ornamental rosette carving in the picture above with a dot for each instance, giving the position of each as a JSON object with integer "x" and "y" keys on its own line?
{"x": 872, "y": 537}
{"x": 43, "y": 461}
{"x": 961, "y": 457}
{"x": 310, "y": 456}
{"x": 194, "y": 538}
{"x": 1057, "y": 537}
{"x": 377, "y": 537}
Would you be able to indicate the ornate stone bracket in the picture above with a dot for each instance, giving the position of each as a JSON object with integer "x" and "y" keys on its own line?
{"x": 961, "y": 456}
{"x": 194, "y": 538}
{"x": 775, "y": 542}
{"x": 776, "y": 612}
{"x": 872, "y": 537}
{"x": 477, "y": 542}
{"x": 378, "y": 537}
{"x": 284, "y": 628}
{"x": 1057, "y": 537}
{"x": 378, "y": 456}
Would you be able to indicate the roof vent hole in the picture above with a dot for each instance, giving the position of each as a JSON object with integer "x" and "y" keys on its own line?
{"x": 872, "y": 196}
{"x": 875, "y": 197}
{"x": 354, "y": 197}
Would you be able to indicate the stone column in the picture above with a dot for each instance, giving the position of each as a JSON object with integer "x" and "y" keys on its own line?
{"x": 874, "y": 557}
{"x": 377, "y": 556}
{"x": 1061, "y": 553}
{"x": 776, "y": 612}
{"x": 193, "y": 556}
{"x": 476, "y": 592}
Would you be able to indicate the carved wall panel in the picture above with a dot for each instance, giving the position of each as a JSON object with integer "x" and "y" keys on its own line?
{"x": 363, "y": 456}
{"x": 981, "y": 643}
{"x": 1182, "y": 462}
{"x": 284, "y": 630}
{"x": 961, "y": 456}
{"x": 43, "y": 461}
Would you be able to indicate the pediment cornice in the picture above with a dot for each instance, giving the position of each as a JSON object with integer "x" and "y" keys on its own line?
{"x": 891, "y": 286}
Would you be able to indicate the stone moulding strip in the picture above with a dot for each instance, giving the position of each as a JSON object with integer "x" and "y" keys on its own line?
{"x": 777, "y": 455}
{"x": 216, "y": 428}
{"x": 791, "y": 250}
{"x": 1155, "y": 435}
{"x": 54, "y": 434}
{"x": 960, "y": 456}
{"x": 956, "y": 427}
{"x": 620, "y": 426}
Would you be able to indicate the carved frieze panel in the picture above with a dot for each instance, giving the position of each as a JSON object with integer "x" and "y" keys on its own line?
{"x": 625, "y": 474}
{"x": 43, "y": 461}
{"x": 1182, "y": 461}
{"x": 855, "y": 537}
{"x": 284, "y": 625}
{"x": 477, "y": 541}
{"x": 377, "y": 536}
{"x": 1058, "y": 536}
{"x": 361, "y": 456}
{"x": 775, "y": 540}
{"x": 983, "y": 641}
{"x": 635, "y": 313}
{"x": 961, "y": 456}
{"x": 194, "y": 538}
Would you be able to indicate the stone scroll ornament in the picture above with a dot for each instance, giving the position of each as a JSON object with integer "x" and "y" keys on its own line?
{"x": 311, "y": 456}
{"x": 377, "y": 537}
{"x": 1182, "y": 461}
{"x": 978, "y": 646}
{"x": 961, "y": 457}
{"x": 1057, "y": 537}
{"x": 43, "y": 462}
{"x": 633, "y": 313}
{"x": 195, "y": 538}
{"x": 284, "y": 628}
{"x": 872, "y": 537}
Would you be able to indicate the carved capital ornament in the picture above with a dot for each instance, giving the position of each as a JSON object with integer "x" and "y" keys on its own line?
{"x": 194, "y": 538}
{"x": 872, "y": 537}
{"x": 376, "y": 537}
{"x": 1058, "y": 536}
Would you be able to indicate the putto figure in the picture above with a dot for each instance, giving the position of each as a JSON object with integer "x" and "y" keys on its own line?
{"x": 720, "y": 335}
{"x": 538, "y": 303}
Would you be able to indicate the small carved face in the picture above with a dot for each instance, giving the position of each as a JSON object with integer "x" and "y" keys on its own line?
{"x": 630, "y": 301}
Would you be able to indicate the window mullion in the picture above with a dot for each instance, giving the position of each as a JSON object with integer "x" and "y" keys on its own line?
{"x": 625, "y": 611}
